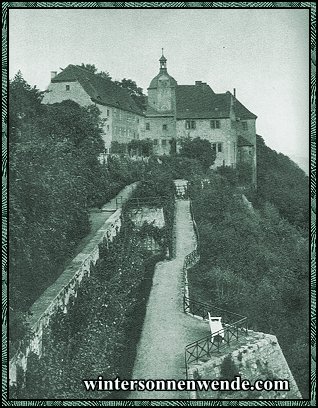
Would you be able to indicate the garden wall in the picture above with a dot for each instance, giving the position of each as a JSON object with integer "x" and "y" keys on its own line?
{"x": 57, "y": 297}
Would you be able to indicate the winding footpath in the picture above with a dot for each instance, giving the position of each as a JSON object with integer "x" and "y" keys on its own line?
{"x": 167, "y": 329}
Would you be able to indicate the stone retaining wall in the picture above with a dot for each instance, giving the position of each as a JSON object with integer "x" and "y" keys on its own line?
{"x": 259, "y": 357}
{"x": 58, "y": 296}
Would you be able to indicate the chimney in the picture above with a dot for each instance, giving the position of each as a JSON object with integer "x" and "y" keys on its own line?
{"x": 234, "y": 92}
{"x": 53, "y": 74}
{"x": 198, "y": 82}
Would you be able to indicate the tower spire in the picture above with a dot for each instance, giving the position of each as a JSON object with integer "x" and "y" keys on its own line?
{"x": 163, "y": 62}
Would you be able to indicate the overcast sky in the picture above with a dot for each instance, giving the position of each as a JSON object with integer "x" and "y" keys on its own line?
{"x": 261, "y": 53}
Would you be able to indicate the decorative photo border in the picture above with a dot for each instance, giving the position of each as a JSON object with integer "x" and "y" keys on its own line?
{"x": 5, "y": 7}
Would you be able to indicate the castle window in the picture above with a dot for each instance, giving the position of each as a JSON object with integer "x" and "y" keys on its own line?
{"x": 215, "y": 124}
{"x": 220, "y": 148}
{"x": 155, "y": 142}
{"x": 67, "y": 87}
{"x": 164, "y": 127}
{"x": 164, "y": 142}
{"x": 107, "y": 112}
{"x": 244, "y": 125}
{"x": 107, "y": 127}
{"x": 213, "y": 146}
{"x": 147, "y": 126}
{"x": 190, "y": 124}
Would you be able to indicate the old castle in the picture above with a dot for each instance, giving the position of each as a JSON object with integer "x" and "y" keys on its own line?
{"x": 173, "y": 112}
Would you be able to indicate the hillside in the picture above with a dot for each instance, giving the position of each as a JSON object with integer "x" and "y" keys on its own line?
{"x": 252, "y": 262}
{"x": 282, "y": 183}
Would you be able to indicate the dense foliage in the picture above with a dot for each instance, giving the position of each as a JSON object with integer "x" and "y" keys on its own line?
{"x": 93, "y": 70}
{"x": 100, "y": 332}
{"x": 140, "y": 147}
{"x": 52, "y": 162}
{"x": 254, "y": 263}
{"x": 281, "y": 182}
{"x": 55, "y": 177}
{"x": 135, "y": 92}
{"x": 157, "y": 189}
{"x": 199, "y": 149}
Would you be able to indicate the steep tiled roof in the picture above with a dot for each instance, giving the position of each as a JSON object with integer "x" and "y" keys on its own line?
{"x": 200, "y": 102}
{"x": 100, "y": 90}
{"x": 242, "y": 112}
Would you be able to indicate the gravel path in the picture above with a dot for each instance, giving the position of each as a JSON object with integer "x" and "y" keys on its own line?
{"x": 167, "y": 330}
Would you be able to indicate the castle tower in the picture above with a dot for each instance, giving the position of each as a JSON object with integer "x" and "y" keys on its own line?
{"x": 160, "y": 126}
{"x": 161, "y": 91}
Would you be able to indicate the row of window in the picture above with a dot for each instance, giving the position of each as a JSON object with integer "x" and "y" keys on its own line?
{"x": 214, "y": 124}
{"x": 124, "y": 132}
{"x": 124, "y": 115}
{"x": 164, "y": 126}
{"x": 191, "y": 124}
{"x": 217, "y": 147}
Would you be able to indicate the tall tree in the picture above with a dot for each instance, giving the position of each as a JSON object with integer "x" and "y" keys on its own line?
{"x": 134, "y": 90}
{"x": 54, "y": 173}
{"x": 25, "y": 104}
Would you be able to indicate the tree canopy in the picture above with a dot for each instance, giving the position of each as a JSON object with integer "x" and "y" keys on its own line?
{"x": 199, "y": 149}
{"x": 92, "y": 69}
{"x": 255, "y": 263}
{"x": 135, "y": 92}
{"x": 54, "y": 176}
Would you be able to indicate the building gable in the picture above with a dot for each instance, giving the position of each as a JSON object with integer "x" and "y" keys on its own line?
{"x": 101, "y": 91}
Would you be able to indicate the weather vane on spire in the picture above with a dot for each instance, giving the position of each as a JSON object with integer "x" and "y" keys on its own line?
{"x": 162, "y": 51}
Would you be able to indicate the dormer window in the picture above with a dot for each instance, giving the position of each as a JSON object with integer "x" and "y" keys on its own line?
{"x": 67, "y": 87}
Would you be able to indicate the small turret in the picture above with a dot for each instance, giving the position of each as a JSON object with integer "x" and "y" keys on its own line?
{"x": 163, "y": 62}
